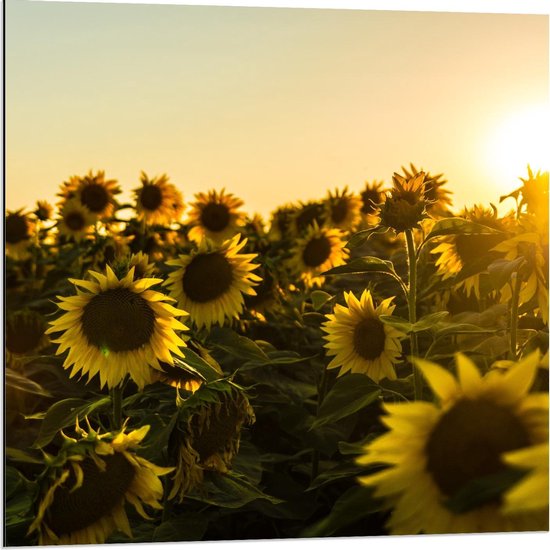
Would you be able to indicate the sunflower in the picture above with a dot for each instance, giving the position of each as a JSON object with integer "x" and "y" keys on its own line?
{"x": 279, "y": 223}
{"x": 92, "y": 191}
{"x": 18, "y": 231}
{"x": 457, "y": 252}
{"x": 43, "y": 211}
{"x": 372, "y": 196}
{"x": 211, "y": 281}
{"x": 306, "y": 215}
{"x": 117, "y": 327}
{"x": 75, "y": 220}
{"x": 108, "y": 250}
{"x": 319, "y": 250}
{"x": 343, "y": 210}
{"x": 215, "y": 216}
{"x": 25, "y": 333}
{"x": 208, "y": 435}
{"x": 158, "y": 202}
{"x": 445, "y": 470}
{"x": 87, "y": 486}
{"x": 359, "y": 340}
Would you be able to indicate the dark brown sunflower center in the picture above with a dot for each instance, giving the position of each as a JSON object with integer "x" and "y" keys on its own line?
{"x": 215, "y": 216}
{"x": 75, "y": 221}
{"x": 369, "y": 338}
{"x": 151, "y": 197}
{"x": 207, "y": 277}
{"x": 309, "y": 214}
{"x": 339, "y": 210}
{"x": 17, "y": 229}
{"x": 471, "y": 248}
{"x": 467, "y": 443}
{"x": 118, "y": 320}
{"x": 317, "y": 251}
{"x": 400, "y": 214}
{"x": 216, "y": 435}
{"x": 95, "y": 197}
{"x": 99, "y": 494}
{"x": 23, "y": 333}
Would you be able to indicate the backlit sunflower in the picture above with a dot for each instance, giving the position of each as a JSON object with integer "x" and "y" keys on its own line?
{"x": 211, "y": 281}
{"x": 533, "y": 193}
{"x": 158, "y": 202}
{"x": 43, "y": 210}
{"x": 215, "y": 216}
{"x": 18, "y": 234}
{"x": 279, "y": 223}
{"x": 116, "y": 327}
{"x": 457, "y": 252}
{"x": 94, "y": 192}
{"x": 343, "y": 210}
{"x": 359, "y": 341}
{"x": 25, "y": 334}
{"x": 87, "y": 486}
{"x": 371, "y": 196}
{"x": 75, "y": 220}
{"x": 305, "y": 216}
{"x": 317, "y": 251}
{"x": 445, "y": 470}
{"x": 208, "y": 434}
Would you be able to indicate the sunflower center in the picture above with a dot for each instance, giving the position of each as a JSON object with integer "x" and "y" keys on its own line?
{"x": 339, "y": 211}
{"x": 150, "y": 197}
{"x": 74, "y": 221}
{"x": 215, "y": 216}
{"x": 207, "y": 277}
{"x": 317, "y": 251}
{"x": 23, "y": 334}
{"x": 16, "y": 228}
{"x": 471, "y": 247}
{"x": 99, "y": 494}
{"x": 118, "y": 320}
{"x": 369, "y": 338}
{"x": 95, "y": 197}
{"x": 467, "y": 443}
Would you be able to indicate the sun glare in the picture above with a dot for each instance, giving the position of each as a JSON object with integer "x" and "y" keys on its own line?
{"x": 519, "y": 140}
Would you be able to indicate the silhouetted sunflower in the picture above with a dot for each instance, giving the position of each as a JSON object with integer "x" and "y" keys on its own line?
{"x": 18, "y": 232}
{"x": 305, "y": 215}
{"x": 343, "y": 210}
{"x": 215, "y": 216}
{"x": 25, "y": 333}
{"x": 279, "y": 223}
{"x": 117, "y": 327}
{"x": 43, "y": 211}
{"x": 211, "y": 281}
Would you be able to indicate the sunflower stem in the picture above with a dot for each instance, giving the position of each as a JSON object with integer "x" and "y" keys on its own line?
{"x": 320, "y": 397}
{"x": 116, "y": 398}
{"x": 411, "y": 302}
{"x": 516, "y": 286}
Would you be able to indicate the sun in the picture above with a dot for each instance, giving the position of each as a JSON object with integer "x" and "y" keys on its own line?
{"x": 520, "y": 139}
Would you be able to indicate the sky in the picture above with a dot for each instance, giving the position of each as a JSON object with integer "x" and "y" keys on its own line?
{"x": 273, "y": 104}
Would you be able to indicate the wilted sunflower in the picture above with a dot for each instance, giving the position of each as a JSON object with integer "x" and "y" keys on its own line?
{"x": 18, "y": 231}
{"x": 445, "y": 471}
{"x": 25, "y": 333}
{"x": 92, "y": 191}
{"x": 211, "y": 281}
{"x": 158, "y": 202}
{"x": 87, "y": 486}
{"x": 405, "y": 205}
{"x": 438, "y": 200}
{"x": 208, "y": 435}
{"x": 75, "y": 220}
{"x": 215, "y": 216}
{"x": 343, "y": 210}
{"x": 117, "y": 327}
{"x": 305, "y": 216}
{"x": 319, "y": 250}
{"x": 458, "y": 252}
{"x": 359, "y": 340}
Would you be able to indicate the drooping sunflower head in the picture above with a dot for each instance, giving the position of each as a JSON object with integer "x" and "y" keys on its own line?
{"x": 210, "y": 281}
{"x": 158, "y": 202}
{"x": 305, "y": 216}
{"x": 94, "y": 192}
{"x": 114, "y": 327}
{"x": 86, "y": 487}
{"x": 446, "y": 471}
{"x": 43, "y": 211}
{"x": 343, "y": 210}
{"x": 25, "y": 333}
{"x": 216, "y": 216}
{"x": 208, "y": 435}
{"x": 358, "y": 339}
{"x": 18, "y": 231}
{"x": 75, "y": 220}
{"x": 405, "y": 205}
{"x": 317, "y": 251}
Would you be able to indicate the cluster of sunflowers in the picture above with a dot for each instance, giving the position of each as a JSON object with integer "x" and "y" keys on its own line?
{"x": 362, "y": 364}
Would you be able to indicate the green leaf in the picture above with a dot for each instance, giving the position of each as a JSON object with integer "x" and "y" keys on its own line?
{"x": 19, "y": 455}
{"x": 361, "y": 237}
{"x": 461, "y": 328}
{"x": 458, "y": 226}
{"x": 368, "y": 264}
{"x": 16, "y": 380}
{"x": 319, "y": 298}
{"x": 356, "y": 503}
{"x": 429, "y": 321}
{"x": 236, "y": 345}
{"x": 350, "y": 394}
{"x": 196, "y": 364}
{"x": 500, "y": 271}
{"x": 397, "y": 322}
{"x": 188, "y": 526}
{"x": 342, "y": 471}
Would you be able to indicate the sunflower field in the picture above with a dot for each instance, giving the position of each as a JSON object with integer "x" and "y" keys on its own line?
{"x": 370, "y": 363}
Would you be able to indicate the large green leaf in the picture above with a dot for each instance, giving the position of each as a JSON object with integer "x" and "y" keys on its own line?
{"x": 368, "y": 264}
{"x": 187, "y": 526}
{"x": 16, "y": 380}
{"x": 236, "y": 345}
{"x": 319, "y": 298}
{"x": 458, "y": 226}
{"x": 198, "y": 365}
{"x": 361, "y": 237}
{"x": 350, "y": 394}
